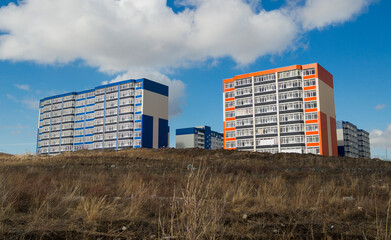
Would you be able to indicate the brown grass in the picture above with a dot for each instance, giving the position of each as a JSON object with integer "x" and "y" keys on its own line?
{"x": 154, "y": 194}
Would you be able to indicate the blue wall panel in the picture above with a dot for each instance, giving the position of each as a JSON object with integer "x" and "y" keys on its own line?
{"x": 147, "y": 132}
{"x": 163, "y": 133}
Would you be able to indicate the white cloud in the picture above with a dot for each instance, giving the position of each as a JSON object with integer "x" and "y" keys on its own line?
{"x": 321, "y": 13}
{"x": 380, "y": 106}
{"x": 11, "y": 97}
{"x": 24, "y": 87}
{"x": 31, "y": 103}
{"x": 122, "y": 35}
{"x": 381, "y": 139}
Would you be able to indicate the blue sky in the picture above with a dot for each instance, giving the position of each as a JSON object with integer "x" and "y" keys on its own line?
{"x": 353, "y": 46}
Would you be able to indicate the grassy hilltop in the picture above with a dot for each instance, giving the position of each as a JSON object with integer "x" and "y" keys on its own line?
{"x": 193, "y": 194}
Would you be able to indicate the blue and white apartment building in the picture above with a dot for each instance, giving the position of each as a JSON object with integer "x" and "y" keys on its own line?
{"x": 199, "y": 137}
{"x": 131, "y": 113}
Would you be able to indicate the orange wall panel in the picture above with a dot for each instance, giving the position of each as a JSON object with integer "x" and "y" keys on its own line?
{"x": 309, "y": 88}
{"x": 309, "y": 99}
{"x": 324, "y": 141}
{"x": 334, "y": 143}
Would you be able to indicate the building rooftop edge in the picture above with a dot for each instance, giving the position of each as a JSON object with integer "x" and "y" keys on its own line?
{"x": 98, "y": 87}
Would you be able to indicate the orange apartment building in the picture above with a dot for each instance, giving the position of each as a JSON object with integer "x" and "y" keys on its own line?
{"x": 289, "y": 109}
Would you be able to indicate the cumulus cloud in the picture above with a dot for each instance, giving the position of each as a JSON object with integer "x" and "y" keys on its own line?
{"x": 380, "y": 106}
{"x": 24, "y": 87}
{"x": 30, "y": 103}
{"x": 321, "y": 13}
{"x": 381, "y": 139}
{"x": 119, "y": 36}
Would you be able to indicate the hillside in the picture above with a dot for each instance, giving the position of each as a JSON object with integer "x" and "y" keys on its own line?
{"x": 193, "y": 194}
{"x": 5, "y": 154}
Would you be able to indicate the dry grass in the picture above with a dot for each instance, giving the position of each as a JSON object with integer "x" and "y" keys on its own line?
{"x": 154, "y": 194}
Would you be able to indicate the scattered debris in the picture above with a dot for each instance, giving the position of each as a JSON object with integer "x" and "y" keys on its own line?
{"x": 349, "y": 199}
{"x": 191, "y": 167}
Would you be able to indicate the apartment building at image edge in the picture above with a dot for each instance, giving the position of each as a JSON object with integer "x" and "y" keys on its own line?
{"x": 288, "y": 109}
{"x": 131, "y": 113}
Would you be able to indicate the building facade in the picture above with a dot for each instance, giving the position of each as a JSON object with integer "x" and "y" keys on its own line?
{"x": 199, "y": 137}
{"x": 352, "y": 142}
{"x": 132, "y": 113}
{"x": 289, "y": 109}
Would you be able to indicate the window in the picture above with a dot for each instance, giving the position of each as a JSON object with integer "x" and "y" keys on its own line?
{"x": 112, "y": 119}
{"x": 98, "y": 137}
{"x": 289, "y": 84}
{"x": 125, "y": 101}
{"x": 110, "y": 128}
{"x": 244, "y": 132}
{"x": 110, "y": 144}
{"x": 230, "y": 114}
{"x": 292, "y": 128}
{"x": 244, "y": 111}
{"x": 266, "y": 130}
{"x": 313, "y": 139}
{"x": 265, "y": 109}
{"x": 308, "y": 94}
{"x": 266, "y": 141}
{"x": 311, "y": 116}
{"x": 110, "y": 136}
{"x": 264, "y": 78}
{"x": 244, "y": 122}
{"x": 126, "y": 86}
{"x": 126, "y": 117}
{"x": 229, "y": 85}
{"x": 307, "y": 72}
{"x": 80, "y": 103}
{"x": 313, "y": 150}
{"x": 98, "y": 145}
{"x": 111, "y": 104}
{"x": 291, "y": 117}
{"x": 99, "y": 91}
{"x": 291, "y": 106}
{"x": 244, "y": 81}
{"x": 245, "y": 143}
{"x": 309, "y": 82}
{"x": 244, "y": 101}
{"x": 126, "y": 93}
{"x": 230, "y": 134}
{"x": 230, "y": 104}
{"x": 290, "y": 95}
{"x": 309, "y": 105}
{"x": 112, "y": 89}
{"x": 111, "y": 96}
{"x": 265, "y": 98}
{"x": 124, "y": 126}
{"x": 243, "y": 91}
{"x": 90, "y": 94}
{"x": 287, "y": 74}
{"x": 230, "y": 144}
{"x": 265, "y": 119}
{"x": 80, "y": 110}
{"x": 230, "y": 94}
{"x": 312, "y": 127}
{"x": 230, "y": 124}
{"x": 98, "y": 114}
{"x": 112, "y": 111}
{"x": 292, "y": 139}
{"x": 123, "y": 110}
{"x": 98, "y": 129}
{"x": 80, "y": 96}
{"x": 265, "y": 88}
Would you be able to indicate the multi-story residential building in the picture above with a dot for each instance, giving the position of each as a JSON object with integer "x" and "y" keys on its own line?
{"x": 289, "y": 109}
{"x": 352, "y": 142}
{"x": 132, "y": 113}
{"x": 364, "y": 146}
{"x": 198, "y": 137}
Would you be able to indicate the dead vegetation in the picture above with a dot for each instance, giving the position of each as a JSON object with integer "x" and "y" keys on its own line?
{"x": 193, "y": 194}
